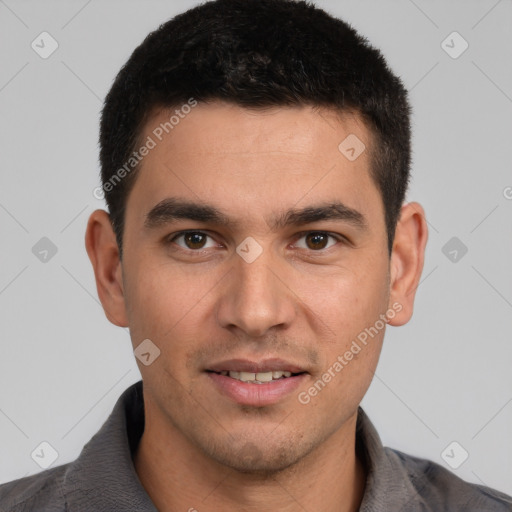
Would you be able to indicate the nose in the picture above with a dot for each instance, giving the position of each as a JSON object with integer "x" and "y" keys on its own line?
{"x": 256, "y": 297}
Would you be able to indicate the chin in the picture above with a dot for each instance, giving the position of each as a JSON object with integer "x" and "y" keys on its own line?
{"x": 263, "y": 460}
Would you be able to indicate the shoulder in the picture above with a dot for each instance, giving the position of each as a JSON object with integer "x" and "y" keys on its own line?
{"x": 42, "y": 492}
{"x": 438, "y": 487}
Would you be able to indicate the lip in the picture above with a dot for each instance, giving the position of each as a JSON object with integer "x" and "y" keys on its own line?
{"x": 256, "y": 395}
{"x": 265, "y": 365}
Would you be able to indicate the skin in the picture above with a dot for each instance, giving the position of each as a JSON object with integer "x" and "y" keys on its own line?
{"x": 301, "y": 300}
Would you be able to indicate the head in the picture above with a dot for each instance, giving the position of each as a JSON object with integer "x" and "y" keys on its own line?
{"x": 278, "y": 140}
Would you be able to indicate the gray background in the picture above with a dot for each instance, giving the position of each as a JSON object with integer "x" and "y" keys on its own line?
{"x": 444, "y": 377}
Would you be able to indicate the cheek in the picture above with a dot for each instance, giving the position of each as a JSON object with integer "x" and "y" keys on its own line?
{"x": 164, "y": 308}
{"x": 161, "y": 300}
{"x": 350, "y": 354}
{"x": 349, "y": 301}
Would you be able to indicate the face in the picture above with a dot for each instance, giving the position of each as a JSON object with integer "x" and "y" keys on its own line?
{"x": 253, "y": 246}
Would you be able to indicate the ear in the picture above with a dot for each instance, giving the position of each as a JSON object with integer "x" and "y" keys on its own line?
{"x": 407, "y": 259}
{"x": 101, "y": 246}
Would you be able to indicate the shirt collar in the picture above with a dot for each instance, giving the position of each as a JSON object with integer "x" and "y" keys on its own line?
{"x": 389, "y": 486}
{"x": 103, "y": 476}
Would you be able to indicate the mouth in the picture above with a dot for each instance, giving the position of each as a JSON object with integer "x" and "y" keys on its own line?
{"x": 257, "y": 377}
{"x": 256, "y": 383}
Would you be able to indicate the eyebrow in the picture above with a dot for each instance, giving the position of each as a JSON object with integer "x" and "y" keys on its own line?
{"x": 172, "y": 209}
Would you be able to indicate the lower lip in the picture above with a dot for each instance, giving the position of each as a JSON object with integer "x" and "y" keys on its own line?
{"x": 257, "y": 395}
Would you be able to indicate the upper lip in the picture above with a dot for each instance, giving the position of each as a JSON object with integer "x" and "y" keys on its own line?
{"x": 261, "y": 366}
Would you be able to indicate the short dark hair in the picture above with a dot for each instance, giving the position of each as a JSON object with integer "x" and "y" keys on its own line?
{"x": 257, "y": 54}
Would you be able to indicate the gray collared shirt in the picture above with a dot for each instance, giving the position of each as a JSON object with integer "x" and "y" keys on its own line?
{"x": 103, "y": 477}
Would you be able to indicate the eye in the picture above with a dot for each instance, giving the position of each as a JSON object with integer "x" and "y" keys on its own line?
{"x": 316, "y": 240}
{"x": 192, "y": 240}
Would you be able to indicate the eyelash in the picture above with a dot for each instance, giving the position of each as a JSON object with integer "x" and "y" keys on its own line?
{"x": 171, "y": 238}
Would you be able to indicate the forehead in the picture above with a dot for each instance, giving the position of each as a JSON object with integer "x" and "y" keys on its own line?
{"x": 253, "y": 160}
{"x": 221, "y": 127}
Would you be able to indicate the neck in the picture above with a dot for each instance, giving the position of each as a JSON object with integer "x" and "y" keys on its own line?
{"x": 179, "y": 476}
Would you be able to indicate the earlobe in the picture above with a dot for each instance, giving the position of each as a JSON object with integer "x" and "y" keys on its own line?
{"x": 407, "y": 260}
{"x": 101, "y": 246}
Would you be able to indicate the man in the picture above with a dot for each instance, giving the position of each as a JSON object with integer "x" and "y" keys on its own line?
{"x": 255, "y": 157}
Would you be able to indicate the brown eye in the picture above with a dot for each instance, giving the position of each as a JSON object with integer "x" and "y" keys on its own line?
{"x": 194, "y": 240}
{"x": 317, "y": 240}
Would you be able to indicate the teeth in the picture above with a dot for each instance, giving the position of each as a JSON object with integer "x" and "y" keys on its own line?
{"x": 246, "y": 376}
{"x": 264, "y": 377}
{"x": 257, "y": 378}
